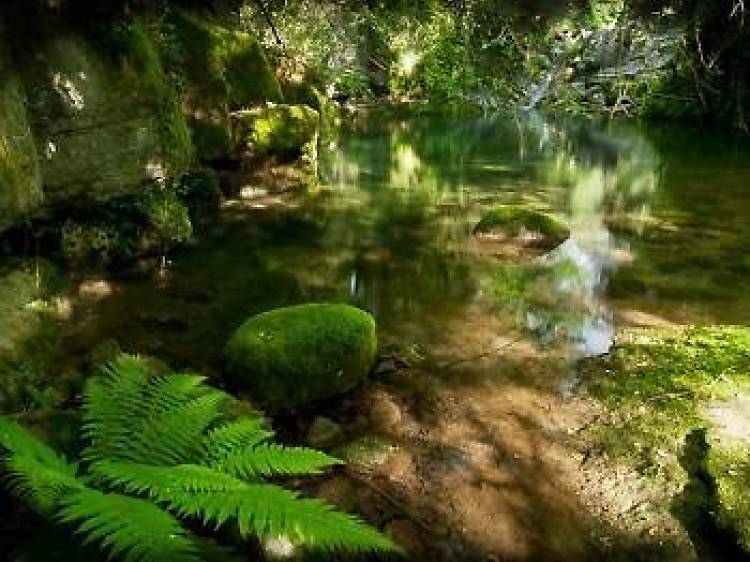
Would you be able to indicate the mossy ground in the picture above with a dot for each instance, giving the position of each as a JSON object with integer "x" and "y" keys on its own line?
{"x": 513, "y": 220}
{"x": 658, "y": 386}
{"x": 291, "y": 356}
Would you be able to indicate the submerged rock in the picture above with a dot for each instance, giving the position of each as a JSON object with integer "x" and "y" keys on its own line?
{"x": 324, "y": 433}
{"x": 292, "y": 356}
{"x": 519, "y": 222}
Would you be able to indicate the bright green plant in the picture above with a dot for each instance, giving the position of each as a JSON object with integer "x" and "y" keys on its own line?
{"x": 161, "y": 448}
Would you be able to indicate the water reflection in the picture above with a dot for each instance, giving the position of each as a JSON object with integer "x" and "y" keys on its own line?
{"x": 427, "y": 180}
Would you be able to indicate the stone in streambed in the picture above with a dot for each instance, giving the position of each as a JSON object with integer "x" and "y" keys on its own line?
{"x": 292, "y": 356}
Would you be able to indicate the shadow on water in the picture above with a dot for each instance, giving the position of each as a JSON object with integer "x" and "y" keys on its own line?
{"x": 698, "y": 504}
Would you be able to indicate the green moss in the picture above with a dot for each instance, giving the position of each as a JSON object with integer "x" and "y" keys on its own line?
{"x": 328, "y": 110}
{"x": 366, "y": 452}
{"x": 20, "y": 174}
{"x": 657, "y": 382}
{"x": 291, "y": 356}
{"x": 730, "y": 469}
{"x": 223, "y": 65}
{"x": 279, "y": 129}
{"x": 514, "y": 219}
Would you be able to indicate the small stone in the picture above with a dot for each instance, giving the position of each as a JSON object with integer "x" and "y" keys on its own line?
{"x": 324, "y": 433}
{"x": 384, "y": 413}
{"x": 94, "y": 289}
{"x": 278, "y": 548}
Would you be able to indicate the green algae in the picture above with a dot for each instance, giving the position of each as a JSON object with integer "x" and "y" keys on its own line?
{"x": 514, "y": 219}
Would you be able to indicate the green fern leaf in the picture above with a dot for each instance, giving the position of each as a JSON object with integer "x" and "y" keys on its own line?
{"x": 273, "y": 459}
{"x": 34, "y": 471}
{"x": 113, "y": 404}
{"x": 244, "y": 432}
{"x": 258, "y": 509}
{"x": 129, "y": 528}
{"x": 266, "y": 510}
{"x": 159, "y": 481}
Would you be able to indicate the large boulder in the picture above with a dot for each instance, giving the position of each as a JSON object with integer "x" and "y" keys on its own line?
{"x": 292, "y": 356}
{"x": 20, "y": 174}
{"x": 104, "y": 114}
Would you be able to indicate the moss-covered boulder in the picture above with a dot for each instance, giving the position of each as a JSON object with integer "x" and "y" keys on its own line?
{"x": 20, "y": 174}
{"x": 517, "y": 221}
{"x": 104, "y": 114}
{"x": 225, "y": 69}
{"x": 292, "y": 356}
{"x": 282, "y": 130}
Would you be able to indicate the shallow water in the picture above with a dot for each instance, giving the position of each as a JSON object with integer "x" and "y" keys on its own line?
{"x": 658, "y": 235}
{"x": 659, "y": 222}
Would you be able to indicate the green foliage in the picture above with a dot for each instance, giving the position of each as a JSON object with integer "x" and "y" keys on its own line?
{"x": 279, "y": 130}
{"x": 165, "y": 447}
{"x": 167, "y": 217}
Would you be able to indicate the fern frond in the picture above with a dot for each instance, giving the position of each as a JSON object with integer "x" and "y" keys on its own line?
{"x": 15, "y": 440}
{"x": 129, "y": 528}
{"x": 258, "y": 509}
{"x": 158, "y": 481}
{"x": 113, "y": 404}
{"x": 265, "y": 510}
{"x": 243, "y": 432}
{"x": 130, "y": 415}
{"x": 32, "y": 470}
{"x": 272, "y": 459}
{"x": 174, "y": 435}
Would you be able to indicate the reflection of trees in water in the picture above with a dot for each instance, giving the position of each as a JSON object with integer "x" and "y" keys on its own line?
{"x": 408, "y": 172}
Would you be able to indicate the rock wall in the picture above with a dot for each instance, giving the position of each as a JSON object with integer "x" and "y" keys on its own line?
{"x": 20, "y": 173}
{"x": 88, "y": 114}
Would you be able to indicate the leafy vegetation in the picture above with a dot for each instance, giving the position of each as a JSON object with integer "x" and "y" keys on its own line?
{"x": 164, "y": 448}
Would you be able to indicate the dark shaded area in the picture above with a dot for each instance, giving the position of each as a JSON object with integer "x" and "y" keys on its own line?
{"x": 698, "y": 504}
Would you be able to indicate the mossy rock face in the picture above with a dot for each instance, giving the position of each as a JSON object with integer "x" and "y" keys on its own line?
{"x": 517, "y": 221}
{"x": 105, "y": 118}
{"x": 225, "y": 69}
{"x": 282, "y": 130}
{"x": 328, "y": 110}
{"x": 292, "y": 356}
{"x": 20, "y": 174}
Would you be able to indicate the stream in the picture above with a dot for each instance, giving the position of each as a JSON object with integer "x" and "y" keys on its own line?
{"x": 480, "y": 448}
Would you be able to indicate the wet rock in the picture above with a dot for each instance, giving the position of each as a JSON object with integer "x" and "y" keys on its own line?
{"x": 278, "y": 548}
{"x": 324, "y": 433}
{"x": 367, "y": 452}
{"x": 340, "y": 491}
{"x": 406, "y": 534}
{"x": 94, "y": 289}
{"x": 292, "y": 356}
{"x": 384, "y": 414}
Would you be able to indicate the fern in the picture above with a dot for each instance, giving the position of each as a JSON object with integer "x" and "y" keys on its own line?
{"x": 167, "y": 447}
{"x": 130, "y": 528}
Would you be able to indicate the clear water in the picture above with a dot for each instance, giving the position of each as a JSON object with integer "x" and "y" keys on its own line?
{"x": 659, "y": 234}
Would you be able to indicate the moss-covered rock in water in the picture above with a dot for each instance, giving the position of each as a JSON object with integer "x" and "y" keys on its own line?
{"x": 516, "y": 221}
{"x": 282, "y": 130}
{"x": 225, "y": 69}
{"x": 104, "y": 114}
{"x": 328, "y": 110}
{"x": 20, "y": 174}
{"x": 291, "y": 356}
